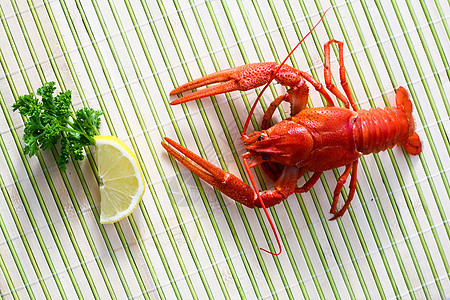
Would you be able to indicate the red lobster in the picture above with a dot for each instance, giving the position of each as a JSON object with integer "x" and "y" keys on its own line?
{"x": 312, "y": 139}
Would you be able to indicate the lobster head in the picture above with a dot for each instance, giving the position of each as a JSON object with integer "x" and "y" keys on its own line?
{"x": 286, "y": 143}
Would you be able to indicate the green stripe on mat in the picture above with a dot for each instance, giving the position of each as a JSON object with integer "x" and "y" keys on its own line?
{"x": 363, "y": 162}
{"x": 201, "y": 233}
{"x": 14, "y": 253}
{"x": 324, "y": 224}
{"x": 226, "y": 132}
{"x": 300, "y": 199}
{"x": 130, "y": 134}
{"x": 69, "y": 188}
{"x": 109, "y": 122}
{"x": 286, "y": 204}
{"x": 5, "y": 271}
{"x": 436, "y": 156}
{"x": 96, "y": 214}
{"x": 401, "y": 182}
{"x": 39, "y": 198}
{"x": 368, "y": 96}
{"x": 16, "y": 220}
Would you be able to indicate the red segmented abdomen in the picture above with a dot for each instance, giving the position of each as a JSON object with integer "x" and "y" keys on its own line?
{"x": 377, "y": 129}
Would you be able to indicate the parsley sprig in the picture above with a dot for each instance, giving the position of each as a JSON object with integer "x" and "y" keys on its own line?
{"x": 51, "y": 120}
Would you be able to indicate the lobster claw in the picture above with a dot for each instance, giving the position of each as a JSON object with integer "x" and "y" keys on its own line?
{"x": 240, "y": 78}
{"x": 225, "y": 182}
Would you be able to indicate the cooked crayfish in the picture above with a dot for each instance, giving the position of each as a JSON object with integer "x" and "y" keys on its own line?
{"x": 312, "y": 139}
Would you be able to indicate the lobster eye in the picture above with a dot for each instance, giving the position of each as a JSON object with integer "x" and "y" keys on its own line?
{"x": 265, "y": 157}
{"x": 262, "y": 136}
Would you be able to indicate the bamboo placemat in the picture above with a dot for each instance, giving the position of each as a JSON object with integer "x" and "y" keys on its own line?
{"x": 186, "y": 240}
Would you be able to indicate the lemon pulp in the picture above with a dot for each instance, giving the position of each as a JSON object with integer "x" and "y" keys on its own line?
{"x": 121, "y": 180}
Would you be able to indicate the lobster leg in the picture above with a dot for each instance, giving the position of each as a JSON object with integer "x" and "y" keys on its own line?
{"x": 309, "y": 184}
{"x": 344, "y": 83}
{"x": 349, "y": 100}
{"x": 338, "y": 189}
{"x": 296, "y": 96}
{"x": 265, "y": 123}
{"x": 284, "y": 186}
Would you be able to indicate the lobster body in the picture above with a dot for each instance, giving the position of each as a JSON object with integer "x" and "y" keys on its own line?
{"x": 312, "y": 139}
{"x": 305, "y": 141}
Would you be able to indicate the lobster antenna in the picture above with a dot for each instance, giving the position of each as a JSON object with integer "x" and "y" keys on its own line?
{"x": 265, "y": 209}
{"x": 276, "y": 71}
{"x": 247, "y": 168}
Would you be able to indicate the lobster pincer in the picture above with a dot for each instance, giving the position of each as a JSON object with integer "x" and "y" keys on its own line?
{"x": 231, "y": 185}
{"x": 225, "y": 182}
{"x": 251, "y": 76}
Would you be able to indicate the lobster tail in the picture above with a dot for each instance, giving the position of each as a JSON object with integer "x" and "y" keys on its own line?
{"x": 412, "y": 145}
{"x": 378, "y": 129}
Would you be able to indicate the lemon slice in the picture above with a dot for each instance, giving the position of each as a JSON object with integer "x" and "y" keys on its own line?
{"x": 121, "y": 180}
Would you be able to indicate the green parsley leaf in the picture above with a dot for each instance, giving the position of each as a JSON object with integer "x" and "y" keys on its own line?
{"x": 50, "y": 120}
